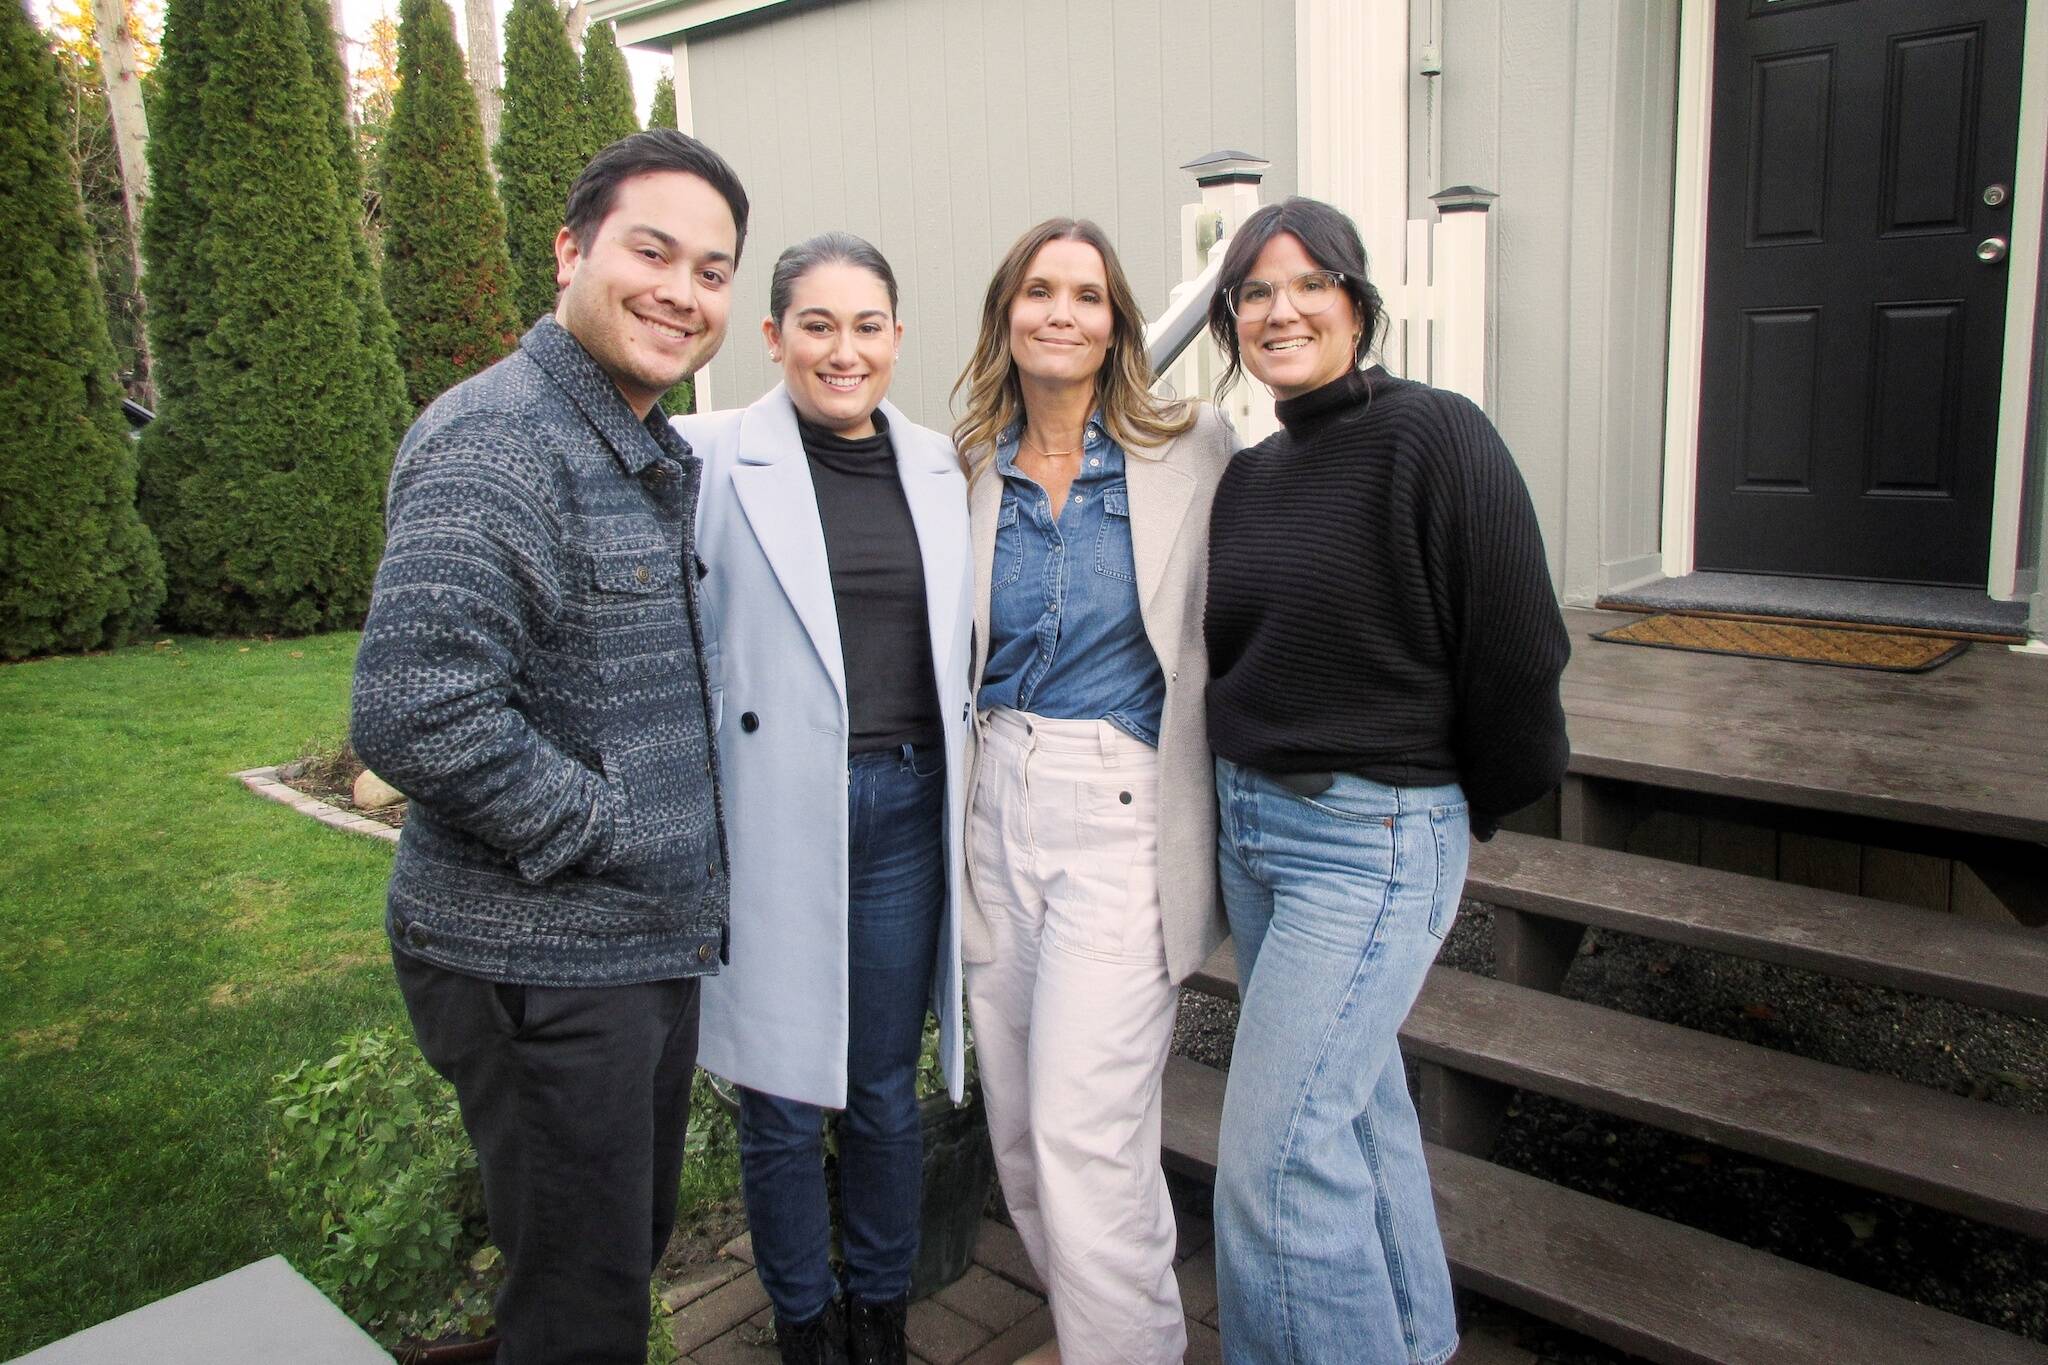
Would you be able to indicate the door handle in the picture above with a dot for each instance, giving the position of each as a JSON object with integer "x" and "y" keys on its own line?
{"x": 1992, "y": 250}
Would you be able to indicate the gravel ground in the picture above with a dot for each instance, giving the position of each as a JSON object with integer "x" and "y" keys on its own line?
{"x": 1963, "y": 1267}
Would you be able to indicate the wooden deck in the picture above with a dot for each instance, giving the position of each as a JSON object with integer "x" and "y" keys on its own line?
{"x": 1963, "y": 748}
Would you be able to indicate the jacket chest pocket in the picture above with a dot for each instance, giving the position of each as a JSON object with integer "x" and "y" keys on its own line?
{"x": 635, "y": 612}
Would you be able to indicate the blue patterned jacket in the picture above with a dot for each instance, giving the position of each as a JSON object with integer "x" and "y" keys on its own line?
{"x": 532, "y": 676}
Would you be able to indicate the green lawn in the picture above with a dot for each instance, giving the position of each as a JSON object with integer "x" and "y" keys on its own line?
{"x": 168, "y": 943}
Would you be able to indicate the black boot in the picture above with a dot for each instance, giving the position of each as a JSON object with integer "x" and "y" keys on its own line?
{"x": 875, "y": 1331}
{"x": 814, "y": 1341}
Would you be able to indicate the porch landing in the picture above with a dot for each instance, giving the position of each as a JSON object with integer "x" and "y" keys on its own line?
{"x": 1825, "y": 599}
{"x": 1960, "y": 753}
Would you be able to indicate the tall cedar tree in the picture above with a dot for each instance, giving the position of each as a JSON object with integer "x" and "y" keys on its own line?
{"x": 380, "y": 334}
{"x": 281, "y": 418}
{"x": 663, "y": 112}
{"x": 446, "y": 274}
{"x": 607, "y": 92}
{"x": 540, "y": 147}
{"x": 77, "y": 567}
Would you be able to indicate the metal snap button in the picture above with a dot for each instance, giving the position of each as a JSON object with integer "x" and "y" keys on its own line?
{"x": 642, "y": 574}
{"x": 749, "y": 722}
{"x": 703, "y": 952}
{"x": 416, "y": 934}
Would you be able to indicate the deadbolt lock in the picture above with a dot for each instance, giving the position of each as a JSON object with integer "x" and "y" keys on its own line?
{"x": 1994, "y": 195}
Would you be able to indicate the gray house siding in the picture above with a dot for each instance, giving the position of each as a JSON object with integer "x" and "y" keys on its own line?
{"x": 941, "y": 129}
{"x": 1567, "y": 109}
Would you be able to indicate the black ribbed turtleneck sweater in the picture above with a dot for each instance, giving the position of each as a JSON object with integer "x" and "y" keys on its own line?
{"x": 1379, "y": 601}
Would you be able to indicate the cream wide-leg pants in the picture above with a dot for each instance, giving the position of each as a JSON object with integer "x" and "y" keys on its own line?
{"x": 1072, "y": 1022}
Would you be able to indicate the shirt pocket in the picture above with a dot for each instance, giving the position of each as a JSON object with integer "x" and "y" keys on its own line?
{"x": 1009, "y": 565}
{"x": 1113, "y": 541}
{"x": 637, "y": 619}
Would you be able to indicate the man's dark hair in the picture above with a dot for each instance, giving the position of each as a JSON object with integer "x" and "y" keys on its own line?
{"x": 1331, "y": 241}
{"x": 656, "y": 150}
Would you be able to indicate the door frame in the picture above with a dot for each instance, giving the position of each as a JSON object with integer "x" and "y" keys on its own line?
{"x": 1686, "y": 345}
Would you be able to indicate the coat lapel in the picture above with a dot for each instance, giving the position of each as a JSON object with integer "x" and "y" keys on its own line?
{"x": 930, "y": 478}
{"x": 1160, "y": 496}
{"x": 772, "y": 480}
{"x": 984, "y": 502}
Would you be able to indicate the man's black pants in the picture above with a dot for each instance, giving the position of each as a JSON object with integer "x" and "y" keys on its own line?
{"x": 577, "y": 1099}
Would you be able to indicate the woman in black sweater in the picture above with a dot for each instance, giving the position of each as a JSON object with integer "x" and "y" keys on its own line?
{"x": 1384, "y": 653}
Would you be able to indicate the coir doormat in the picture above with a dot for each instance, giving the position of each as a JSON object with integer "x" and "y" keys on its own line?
{"x": 1802, "y": 644}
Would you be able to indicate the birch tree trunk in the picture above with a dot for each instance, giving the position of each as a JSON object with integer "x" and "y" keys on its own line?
{"x": 575, "y": 21}
{"x": 131, "y": 145}
{"x": 480, "y": 23}
{"x": 340, "y": 27}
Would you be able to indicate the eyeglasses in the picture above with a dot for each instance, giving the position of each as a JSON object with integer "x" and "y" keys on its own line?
{"x": 1310, "y": 292}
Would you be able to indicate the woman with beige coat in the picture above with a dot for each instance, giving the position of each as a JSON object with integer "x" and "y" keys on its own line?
{"x": 1091, "y": 865}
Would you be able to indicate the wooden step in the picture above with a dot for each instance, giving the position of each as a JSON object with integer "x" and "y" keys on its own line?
{"x": 1853, "y": 937}
{"x": 1941, "y": 1150}
{"x": 1988, "y": 965}
{"x": 1639, "y": 1283}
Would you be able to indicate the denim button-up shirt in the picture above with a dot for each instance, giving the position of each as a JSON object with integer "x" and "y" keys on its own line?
{"x": 1066, "y": 639}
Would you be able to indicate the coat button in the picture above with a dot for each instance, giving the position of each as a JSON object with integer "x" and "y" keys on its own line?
{"x": 703, "y": 952}
{"x": 1124, "y": 797}
{"x": 642, "y": 574}
{"x": 416, "y": 934}
{"x": 749, "y": 722}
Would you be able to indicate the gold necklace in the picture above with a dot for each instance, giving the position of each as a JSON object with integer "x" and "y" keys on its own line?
{"x": 1048, "y": 454}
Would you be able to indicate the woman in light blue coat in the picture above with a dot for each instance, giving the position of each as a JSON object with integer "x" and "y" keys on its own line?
{"x": 834, "y": 535}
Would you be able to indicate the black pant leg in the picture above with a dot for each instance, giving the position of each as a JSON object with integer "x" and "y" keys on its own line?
{"x": 568, "y": 1094}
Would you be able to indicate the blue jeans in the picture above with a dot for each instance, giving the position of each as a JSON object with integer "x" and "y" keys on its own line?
{"x": 896, "y": 896}
{"x": 1326, "y": 1240}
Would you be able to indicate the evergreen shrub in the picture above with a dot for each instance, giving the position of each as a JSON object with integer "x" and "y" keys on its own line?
{"x": 78, "y": 569}
{"x": 540, "y": 147}
{"x": 608, "y": 112}
{"x": 266, "y": 485}
{"x": 446, "y": 274}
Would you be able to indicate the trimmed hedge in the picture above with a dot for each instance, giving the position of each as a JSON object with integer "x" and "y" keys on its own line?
{"x": 446, "y": 274}
{"x": 78, "y": 569}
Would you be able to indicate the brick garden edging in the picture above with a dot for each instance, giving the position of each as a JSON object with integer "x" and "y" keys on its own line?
{"x": 264, "y": 782}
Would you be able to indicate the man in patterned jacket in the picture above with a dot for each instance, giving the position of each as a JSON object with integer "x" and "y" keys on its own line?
{"x": 532, "y": 676}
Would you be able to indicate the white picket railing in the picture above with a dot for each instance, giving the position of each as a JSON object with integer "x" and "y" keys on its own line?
{"x": 1435, "y": 328}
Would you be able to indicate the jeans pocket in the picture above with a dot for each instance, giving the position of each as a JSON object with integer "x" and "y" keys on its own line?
{"x": 1450, "y": 828}
{"x": 927, "y": 760}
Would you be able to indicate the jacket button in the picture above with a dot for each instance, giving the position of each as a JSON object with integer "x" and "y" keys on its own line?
{"x": 416, "y": 934}
{"x": 642, "y": 574}
{"x": 749, "y": 722}
{"x": 703, "y": 952}
{"x": 1124, "y": 797}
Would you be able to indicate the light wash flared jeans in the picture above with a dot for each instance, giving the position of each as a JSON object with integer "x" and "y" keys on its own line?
{"x": 1326, "y": 1236}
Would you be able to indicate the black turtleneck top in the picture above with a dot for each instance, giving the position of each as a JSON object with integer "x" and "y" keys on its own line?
{"x": 1379, "y": 601}
{"x": 885, "y": 638}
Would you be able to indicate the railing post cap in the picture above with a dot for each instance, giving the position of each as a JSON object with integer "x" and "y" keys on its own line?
{"x": 1463, "y": 199}
{"x": 1227, "y": 167}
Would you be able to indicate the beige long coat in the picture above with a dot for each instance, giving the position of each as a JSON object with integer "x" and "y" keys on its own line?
{"x": 1171, "y": 488}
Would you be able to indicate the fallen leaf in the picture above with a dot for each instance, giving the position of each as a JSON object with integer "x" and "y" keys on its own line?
{"x": 1660, "y": 969}
{"x": 1757, "y": 1010}
{"x": 1861, "y": 1225}
{"x": 2013, "y": 1079}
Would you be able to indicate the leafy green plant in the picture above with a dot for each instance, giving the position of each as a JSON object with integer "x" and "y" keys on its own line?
{"x": 372, "y": 1160}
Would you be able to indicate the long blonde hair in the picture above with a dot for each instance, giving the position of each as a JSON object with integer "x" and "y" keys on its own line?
{"x": 1135, "y": 417}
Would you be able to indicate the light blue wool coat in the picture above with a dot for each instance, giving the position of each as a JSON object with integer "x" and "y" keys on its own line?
{"x": 775, "y": 1019}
